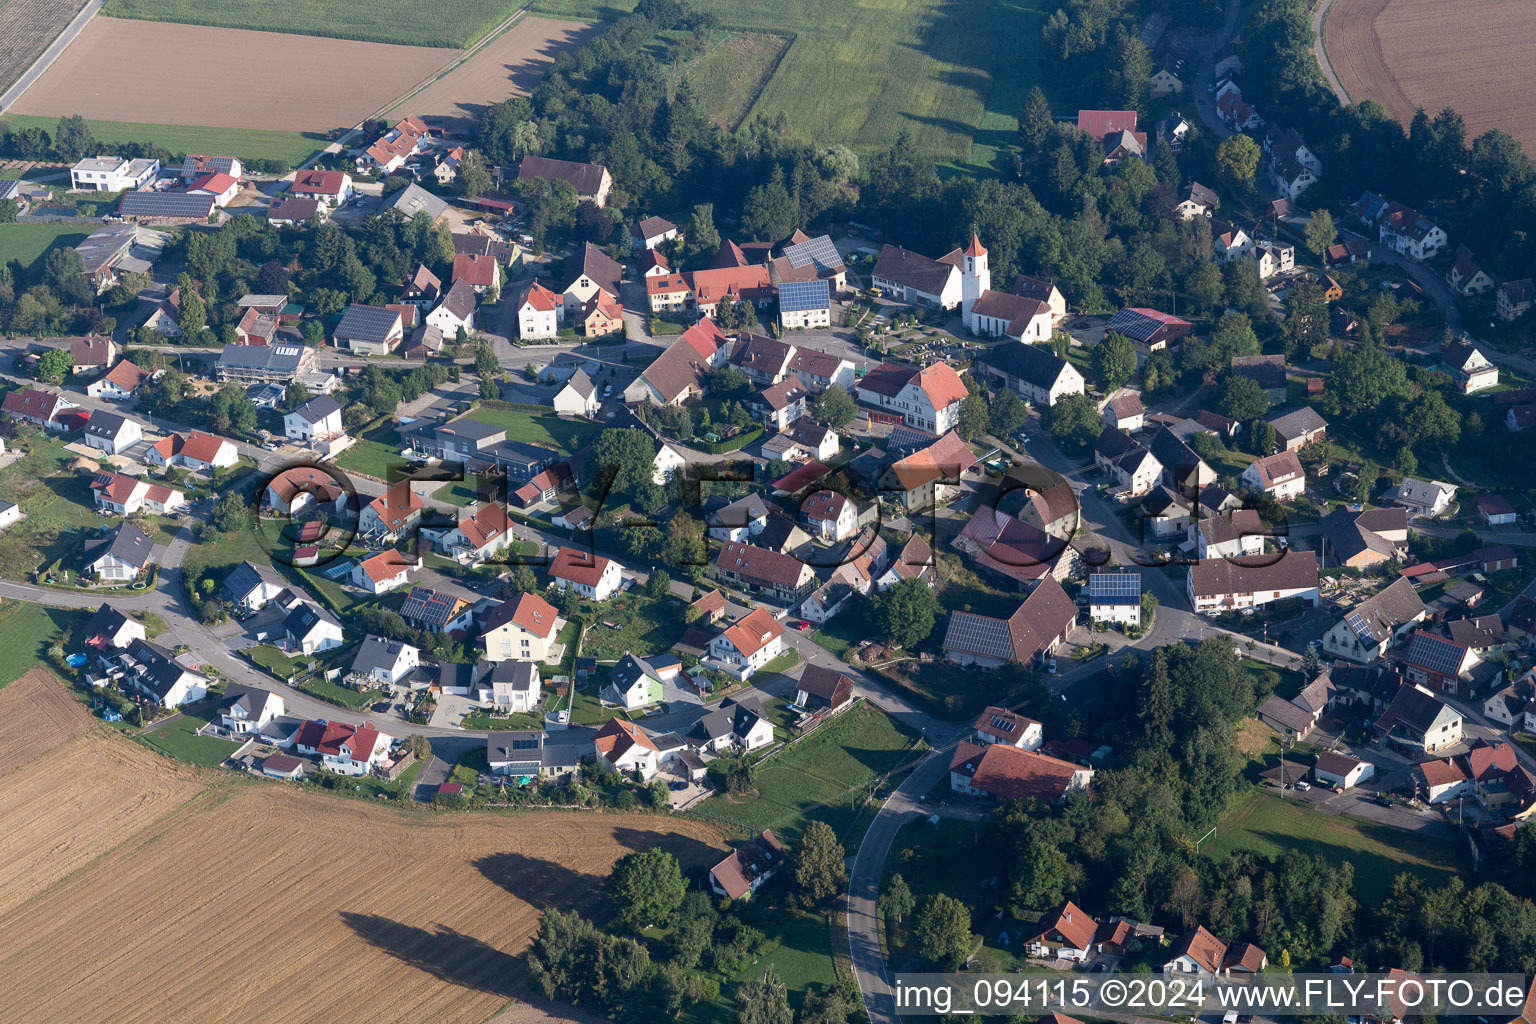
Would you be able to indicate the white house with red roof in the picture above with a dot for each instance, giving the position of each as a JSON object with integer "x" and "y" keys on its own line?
{"x": 928, "y": 399}
{"x": 329, "y": 188}
{"x": 592, "y": 576}
{"x": 118, "y": 384}
{"x": 1065, "y": 934}
{"x": 479, "y": 534}
{"x": 345, "y": 749}
{"x": 128, "y": 495}
{"x": 394, "y": 147}
{"x": 390, "y": 515}
{"x": 747, "y": 645}
{"x": 481, "y": 271}
{"x": 999, "y": 725}
{"x": 998, "y": 314}
{"x": 539, "y": 313}
{"x": 198, "y": 451}
{"x": 383, "y": 572}
{"x": 46, "y": 409}
{"x": 624, "y": 747}
{"x": 522, "y": 628}
{"x": 223, "y": 187}
{"x": 830, "y": 516}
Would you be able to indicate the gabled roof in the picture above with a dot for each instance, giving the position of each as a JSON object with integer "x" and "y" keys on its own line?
{"x": 618, "y": 736}
{"x": 540, "y": 298}
{"x": 1099, "y": 123}
{"x": 1030, "y": 363}
{"x": 913, "y": 270}
{"x": 1072, "y": 923}
{"x": 1299, "y": 423}
{"x": 1278, "y": 468}
{"x": 397, "y": 506}
{"x": 432, "y": 608}
{"x": 578, "y": 567}
{"x": 528, "y": 611}
{"x": 1215, "y": 577}
{"x": 1436, "y": 653}
{"x": 479, "y": 271}
{"x": 247, "y": 576}
{"x": 381, "y": 652}
{"x": 1013, "y": 773}
{"x": 413, "y": 200}
{"x": 126, "y": 376}
{"x": 946, "y": 458}
{"x": 1379, "y": 616}
{"x": 1414, "y": 710}
{"x": 586, "y": 179}
{"x": 368, "y": 323}
{"x": 297, "y": 208}
{"x": 1003, "y": 724}
{"x": 595, "y": 265}
{"x": 126, "y": 543}
{"x": 1044, "y": 615}
{"x": 319, "y": 183}
{"x": 317, "y": 409}
{"x": 460, "y": 300}
{"x": 749, "y": 283}
{"x": 385, "y": 565}
{"x": 747, "y": 863}
{"x": 1202, "y": 947}
{"x": 753, "y": 631}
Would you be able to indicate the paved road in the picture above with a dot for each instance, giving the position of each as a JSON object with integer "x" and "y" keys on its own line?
{"x": 1319, "y": 14}
{"x": 51, "y": 54}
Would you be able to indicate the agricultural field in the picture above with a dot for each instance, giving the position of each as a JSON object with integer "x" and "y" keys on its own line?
{"x": 30, "y": 26}
{"x": 1270, "y": 826}
{"x": 173, "y": 854}
{"x": 1407, "y": 54}
{"x": 291, "y": 147}
{"x": 953, "y": 74}
{"x": 728, "y": 77}
{"x": 405, "y": 22}
{"x": 819, "y": 778}
{"x": 247, "y": 79}
{"x": 509, "y": 65}
{"x": 26, "y": 243}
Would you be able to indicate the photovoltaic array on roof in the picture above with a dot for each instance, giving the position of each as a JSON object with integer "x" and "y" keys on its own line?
{"x": 979, "y": 634}
{"x": 795, "y": 296}
{"x": 1002, "y": 724}
{"x": 1356, "y": 622}
{"x": 818, "y": 250}
{"x": 1436, "y": 654}
{"x": 1114, "y": 588}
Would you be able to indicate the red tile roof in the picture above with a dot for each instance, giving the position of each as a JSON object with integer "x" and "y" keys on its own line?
{"x": 385, "y": 565}
{"x": 479, "y": 270}
{"x": 125, "y": 375}
{"x": 541, "y": 298}
{"x": 578, "y": 567}
{"x": 1012, "y": 773}
{"x": 1073, "y": 923}
{"x": 318, "y": 183}
{"x": 754, "y": 631}
{"x": 396, "y": 506}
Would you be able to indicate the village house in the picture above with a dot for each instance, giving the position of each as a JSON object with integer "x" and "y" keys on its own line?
{"x": 804, "y": 305}
{"x": 999, "y": 771}
{"x": 651, "y": 232}
{"x": 1134, "y": 469}
{"x": 592, "y": 576}
{"x": 1229, "y": 241}
{"x": 383, "y": 572}
{"x": 92, "y": 353}
{"x": 1124, "y": 412}
{"x": 591, "y": 181}
{"x": 737, "y": 724}
{"x": 1295, "y": 430}
{"x": 1360, "y": 540}
{"x": 391, "y": 150}
{"x": 624, "y": 747}
{"x": 1115, "y": 597}
{"x": 747, "y": 644}
{"x": 1439, "y": 663}
{"x": 999, "y": 725}
{"x": 119, "y": 555}
{"x": 822, "y": 689}
{"x": 344, "y": 749}
{"x": 481, "y": 272}
{"x": 436, "y": 611}
{"x": 391, "y": 515}
{"x": 1150, "y": 330}
{"x": 112, "y": 173}
{"x": 1230, "y": 534}
{"x": 1335, "y": 769}
{"x": 1401, "y": 228}
{"x": 1465, "y": 276}
{"x": 111, "y": 433}
{"x": 539, "y": 313}
{"x": 1279, "y": 475}
{"x": 1028, "y": 636}
{"x": 1217, "y": 585}
{"x": 369, "y": 330}
{"x": 928, "y": 399}
{"x": 251, "y": 586}
{"x": 1427, "y": 498}
{"x": 310, "y": 629}
{"x": 154, "y": 672}
{"x": 244, "y": 710}
{"x": 639, "y": 682}
{"x": 1273, "y": 257}
{"x": 198, "y": 451}
{"x": 1417, "y": 723}
{"x": 587, "y": 276}
{"x": 770, "y": 574}
{"x": 1032, "y": 372}
{"x": 49, "y": 410}
{"x": 128, "y": 495}
{"x": 384, "y": 661}
{"x": 751, "y": 864}
{"x": 522, "y": 628}
{"x": 1196, "y": 201}
{"x": 515, "y": 685}
{"x": 1470, "y": 365}
{"x": 930, "y": 474}
{"x": 328, "y": 188}
{"x": 320, "y": 417}
{"x": 1065, "y": 934}
{"x": 118, "y": 384}
{"x": 1513, "y": 299}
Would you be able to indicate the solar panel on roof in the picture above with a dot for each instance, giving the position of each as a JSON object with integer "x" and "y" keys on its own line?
{"x": 979, "y": 634}
{"x": 1114, "y": 588}
{"x": 795, "y": 296}
{"x": 1435, "y": 654}
{"x": 1003, "y": 724}
{"x": 1356, "y": 622}
{"x": 818, "y": 250}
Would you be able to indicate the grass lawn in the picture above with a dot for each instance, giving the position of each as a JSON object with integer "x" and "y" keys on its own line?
{"x": 380, "y": 21}
{"x": 802, "y": 958}
{"x": 275, "y": 661}
{"x": 292, "y": 148}
{"x": 783, "y": 663}
{"x": 336, "y": 694}
{"x": 26, "y": 243}
{"x": 520, "y": 720}
{"x": 1271, "y": 826}
{"x": 178, "y": 738}
{"x": 400, "y": 789}
{"x": 550, "y": 431}
{"x": 26, "y": 633}
{"x": 954, "y": 74}
{"x": 59, "y": 507}
{"x": 646, "y": 626}
{"x": 728, "y": 75}
{"x": 372, "y": 458}
{"x": 821, "y": 777}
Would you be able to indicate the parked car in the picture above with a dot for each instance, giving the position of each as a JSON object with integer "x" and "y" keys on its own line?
{"x": 803, "y": 624}
{"x": 1303, "y": 786}
{"x": 678, "y": 785}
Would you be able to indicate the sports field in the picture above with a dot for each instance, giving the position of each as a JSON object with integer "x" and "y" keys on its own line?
{"x": 859, "y": 73}
{"x": 1407, "y": 54}
{"x": 141, "y": 891}
{"x": 30, "y": 25}
{"x": 509, "y": 65}
{"x": 407, "y": 22}
{"x": 222, "y": 76}
{"x": 292, "y": 148}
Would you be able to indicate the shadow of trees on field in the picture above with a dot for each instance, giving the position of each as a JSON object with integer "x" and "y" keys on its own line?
{"x": 442, "y": 952}
{"x": 689, "y": 852}
{"x": 540, "y": 883}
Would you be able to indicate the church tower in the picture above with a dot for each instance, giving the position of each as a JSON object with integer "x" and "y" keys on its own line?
{"x": 975, "y": 279}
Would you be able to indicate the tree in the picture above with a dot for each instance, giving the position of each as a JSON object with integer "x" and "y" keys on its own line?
{"x": 943, "y": 931}
{"x": 974, "y": 419}
{"x": 1035, "y": 121}
{"x": 896, "y": 902}
{"x": 1242, "y": 399}
{"x": 9, "y": 211}
{"x": 701, "y": 234}
{"x": 763, "y": 1001}
{"x": 1319, "y": 233}
{"x": 1310, "y": 662}
{"x": 1073, "y": 421}
{"x": 1008, "y": 413}
{"x": 834, "y": 407}
{"x": 73, "y": 140}
{"x": 769, "y": 213}
{"x": 1306, "y": 318}
{"x": 625, "y": 455}
{"x": 646, "y": 888}
{"x": 525, "y": 581}
{"x": 1261, "y": 437}
{"x": 418, "y": 745}
{"x": 1114, "y": 360}
{"x": 659, "y": 584}
{"x": 194, "y": 315}
{"x": 820, "y": 872}
{"x": 230, "y": 513}
{"x": 54, "y": 366}
{"x": 905, "y": 614}
{"x": 473, "y": 177}
{"x": 1237, "y": 161}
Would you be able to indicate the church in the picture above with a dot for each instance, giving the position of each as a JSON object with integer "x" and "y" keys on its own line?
{"x": 998, "y": 314}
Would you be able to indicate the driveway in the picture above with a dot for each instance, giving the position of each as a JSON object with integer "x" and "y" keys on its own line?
{"x": 451, "y": 709}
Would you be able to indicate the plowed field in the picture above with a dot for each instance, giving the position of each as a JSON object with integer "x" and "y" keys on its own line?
{"x": 144, "y": 892}
{"x": 1407, "y": 54}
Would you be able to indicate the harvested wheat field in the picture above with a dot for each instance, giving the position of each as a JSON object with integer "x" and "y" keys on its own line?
{"x": 509, "y": 65}
{"x": 232, "y": 78}
{"x": 225, "y": 896}
{"x": 1407, "y": 54}
{"x": 41, "y": 699}
{"x": 30, "y": 25}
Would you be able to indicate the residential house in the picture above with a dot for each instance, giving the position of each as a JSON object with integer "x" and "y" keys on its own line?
{"x": 369, "y": 330}
{"x": 266, "y": 364}
{"x": 1471, "y": 366}
{"x": 804, "y": 305}
{"x": 1229, "y": 241}
{"x": 916, "y": 280}
{"x": 592, "y": 576}
{"x": 1065, "y": 934}
{"x": 109, "y": 629}
{"x": 1439, "y": 663}
{"x": 780, "y": 404}
{"x": 154, "y": 672}
{"x": 998, "y": 771}
{"x": 1196, "y": 952}
{"x": 515, "y": 685}
{"x": 1416, "y": 721}
{"x": 1230, "y": 534}
{"x": 1335, "y": 769}
{"x": 1135, "y": 469}
{"x": 328, "y": 188}
{"x": 1165, "y": 80}
{"x": 678, "y": 373}
{"x": 1279, "y": 475}
{"x": 1028, "y": 636}
{"x": 1408, "y": 232}
{"x": 1488, "y": 772}
{"x": 1196, "y": 201}
{"x": 625, "y": 747}
{"x": 928, "y": 399}
{"x": 1268, "y": 372}
{"x": 770, "y": 574}
{"x": 249, "y": 709}
{"x": 930, "y": 474}
{"x": 385, "y": 661}
{"x": 1299, "y": 428}
{"x": 1273, "y": 258}
{"x": 310, "y": 629}
{"x": 344, "y": 749}
{"x": 999, "y": 725}
{"x": 111, "y": 433}
{"x": 383, "y": 572}
{"x": 751, "y": 864}
{"x": 1353, "y": 249}
{"x": 1422, "y": 497}
{"x": 748, "y": 644}
{"x": 823, "y": 689}
{"x": 1015, "y": 553}
{"x": 1115, "y": 597}
{"x": 92, "y": 353}
{"x": 222, "y": 187}
{"x": 1124, "y": 412}
{"x": 736, "y": 724}
{"x": 1150, "y": 330}
{"x": 1045, "y": 291}
{"x": 651, "y": 232}
{"x": 521, "y": 628}
{"x": 1512, "y": 299}
{"x": 1032, "y": 372}
{"x": 1234, "y": 111}
{"x": 1360, "y": 540}
{"x": 1465, "y": 276}
{"x": 121, "y": 554}
{"x": 668, "y": 461}
{"x": 318, "y": 418}
{"x": 436, "y": 611}
{"x": 639, "y": 682}
{"x": 296, "y": 212}
{"x": 118, "y": 384}
{"x": 481, "y": 272}
{"x": 591, "y": 181}
{"x": 391, "y": 515}
{"x": 293, "y": 490}
{"x": 750, "y": 283}
{"x": 112, "y": 174}
{"x": 1218, "y": 585}
{"x": 447, "y": 168}
{"x": 482, "y": 530}
{"x": 108, "y": 253}
{"x": 49, "y": 410}
{"x": 128, "y": 495}
{"x": 391, "y": 150}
